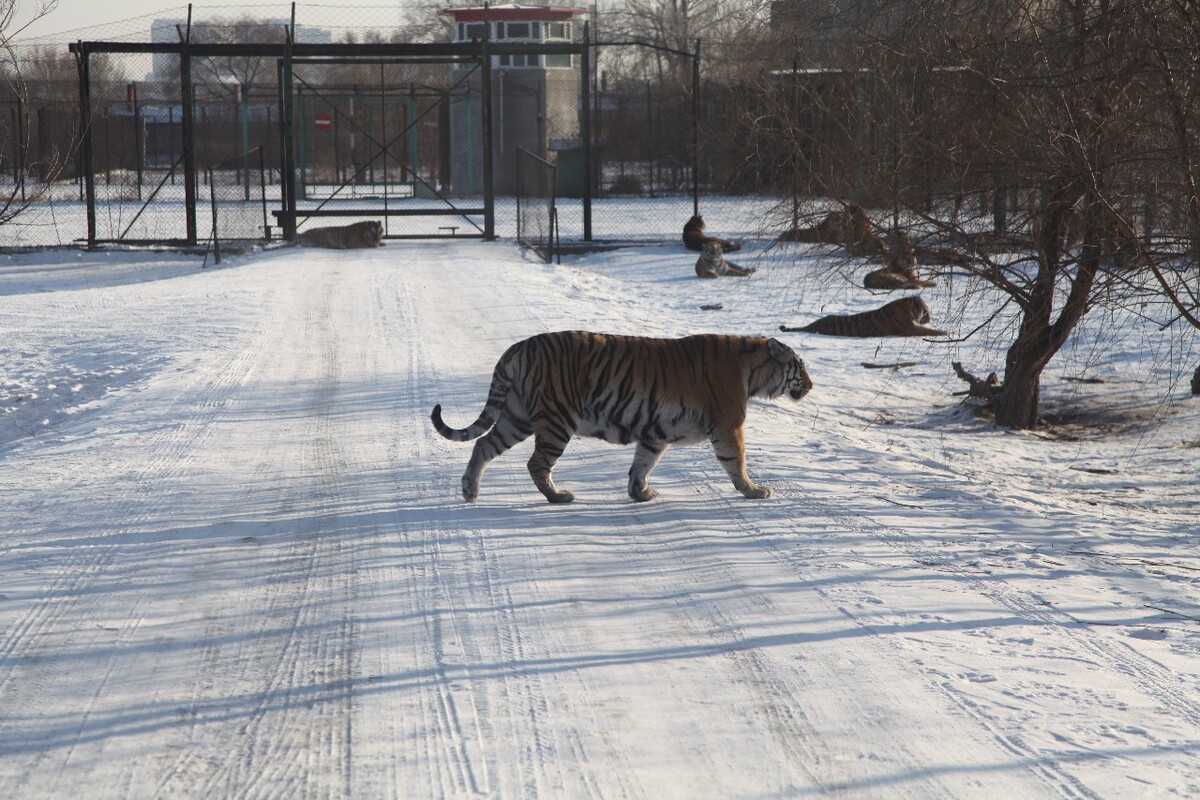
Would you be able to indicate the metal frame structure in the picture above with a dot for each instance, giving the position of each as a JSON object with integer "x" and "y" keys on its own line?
{"x": 289, "y": 54}
{"x": 384, "y": 145}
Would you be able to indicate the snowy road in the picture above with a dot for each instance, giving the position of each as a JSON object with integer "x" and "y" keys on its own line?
{"x": 238, "y": 566}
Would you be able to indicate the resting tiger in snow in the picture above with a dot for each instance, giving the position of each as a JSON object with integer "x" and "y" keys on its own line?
{"x": 904, "y": 317}
{"x": 694, "y": 237}
{"x": 712, "y": 264}
{"x": 368, "y": 233}
{"x": 626, "y": 389}
{"x": 849, "y": 227}
{"x": 891, "y": 278}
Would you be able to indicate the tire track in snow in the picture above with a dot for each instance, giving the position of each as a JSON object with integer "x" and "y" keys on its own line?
{"x": 479, "y": 714}
{"x": 450, "y": 759}
{"x": 31, "y": 665}
{"x": 1055, "y": 773}
{"x": 295, "y": 739}
{"x": 714, "y": 626}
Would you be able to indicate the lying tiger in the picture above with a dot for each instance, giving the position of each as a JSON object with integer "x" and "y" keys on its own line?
{"x": 904, "y": 317}
{"x": 890, "y": 278}
{"x": 626, "y": 389}
{"x": 849, "y": 227}
{"x": 712, "y": 263}
{"x": 694, "y": 237}
{"x": 368, "y": 233}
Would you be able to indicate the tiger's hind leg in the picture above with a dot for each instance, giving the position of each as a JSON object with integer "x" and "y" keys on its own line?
{"x": 644, "y": 460}
{"x": 547, "y": 449}
{"x": 730, "y": 447}
{"x": 508, "y": 431}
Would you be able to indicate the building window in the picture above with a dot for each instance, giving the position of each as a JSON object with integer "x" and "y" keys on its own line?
{"x": 468, "y": 31}
{"x": 520, "y": 60}
{"x": 558, "y": 60}
{"x": 519, "y": 30}
{"x": 558, "y": 30}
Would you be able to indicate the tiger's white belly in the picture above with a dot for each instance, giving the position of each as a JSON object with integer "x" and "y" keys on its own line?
{"x": 669, "y": 425}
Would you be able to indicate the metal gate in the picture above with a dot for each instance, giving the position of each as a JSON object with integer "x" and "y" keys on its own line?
{"x": 372, "y": 138}
{"x": 390, "y": 131}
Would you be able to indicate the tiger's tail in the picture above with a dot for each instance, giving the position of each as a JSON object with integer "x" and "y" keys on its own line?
{"x": 487, "y": 417}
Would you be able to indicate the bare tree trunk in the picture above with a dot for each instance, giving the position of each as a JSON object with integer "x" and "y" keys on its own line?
{"x": 1041, "y": 336}
{"x": 1017, "y": 404}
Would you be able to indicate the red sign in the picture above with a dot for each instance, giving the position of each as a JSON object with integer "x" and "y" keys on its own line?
{"x": 322, "y": 122}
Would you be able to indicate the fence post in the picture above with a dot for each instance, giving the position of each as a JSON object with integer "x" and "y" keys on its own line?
{"x": 138, "y": 154}
{"x": 85, "y": 141}
{"x": 22, "y": 146}
{"x": 262, "y": 185}
{"x": 289, "y": 138}
{"x": 489, "y": 191}
{"x": 795, "y": 141}
{"x": 585, "y": 124}
{"x": 244, "y": 111}
{"x": 301, "y": 132}
{"x": 186, "y": 99}
{"x": 696, "y": 130}
{"x": 212, "y": 195}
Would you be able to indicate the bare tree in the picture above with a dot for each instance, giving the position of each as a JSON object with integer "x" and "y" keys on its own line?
{"x": 1055, "y": 109}
{"x": 14, "y": 201}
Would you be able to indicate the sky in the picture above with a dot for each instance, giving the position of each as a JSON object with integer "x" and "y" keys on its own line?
{"x": 78, "y": 15}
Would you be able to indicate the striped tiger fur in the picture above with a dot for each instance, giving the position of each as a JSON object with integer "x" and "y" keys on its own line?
{"x": 626, "y": 390}
{"x": 368, "y": 233}
{"x": 712, "y": 263}
{"x": 904, "y": 317}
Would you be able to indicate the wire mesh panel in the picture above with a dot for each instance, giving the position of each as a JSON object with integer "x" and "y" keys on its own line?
{"x": 39, "y": 121}
{"x": 643, "y": 122}
{"x": 137, "y": 152}
{"x": 237, "y": 195}
{"x": 536, "y": 211}
{"x": 373, "y": 139}
{"x": 397, "y": 135}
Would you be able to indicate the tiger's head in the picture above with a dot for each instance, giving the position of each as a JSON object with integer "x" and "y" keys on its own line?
{"x": 712, "y": 251}
{"x": 372, "y": 231}
{"x": 918, "y": 308}
{"x": 696, "y": 223}
{"x": 782, "y": 371}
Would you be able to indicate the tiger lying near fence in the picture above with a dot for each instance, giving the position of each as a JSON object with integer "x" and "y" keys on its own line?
{"x": 368, "y": 233}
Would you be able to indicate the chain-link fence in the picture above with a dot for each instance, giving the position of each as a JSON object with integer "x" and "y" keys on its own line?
{"x": 393, "y": 138}
{"x": 378, "y": 138}
{"x": 537, "y": 215}
{"x": 237, "y": 197}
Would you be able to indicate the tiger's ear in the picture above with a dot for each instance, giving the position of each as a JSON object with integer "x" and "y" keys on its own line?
{"x": 779, "y": 351}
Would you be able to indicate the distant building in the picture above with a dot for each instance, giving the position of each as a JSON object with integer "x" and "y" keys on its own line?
{"x": 265, "y": 29}
{"x": 535, "y": 98}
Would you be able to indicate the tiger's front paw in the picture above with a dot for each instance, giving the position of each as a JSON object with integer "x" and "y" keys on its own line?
{"x": 644, "y": 494}
{"x": 756, "y": 492}
{"x": 470, "y": 489}
{"x": 560, "y": 497}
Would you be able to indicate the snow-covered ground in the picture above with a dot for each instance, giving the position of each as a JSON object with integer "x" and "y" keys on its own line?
{"x": 234, "y": 561}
